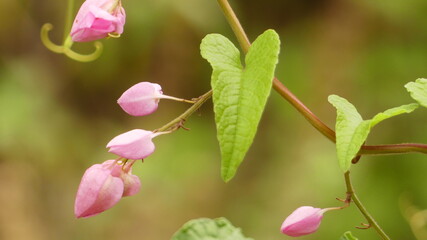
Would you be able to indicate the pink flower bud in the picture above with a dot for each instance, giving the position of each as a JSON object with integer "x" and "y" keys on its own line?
{"x": 102, "y": 186}
{"x": 135, "y": 144}
{"x": 131, "y": 183}
{"x": 97, "y": 19}
{"x": 141, "y": 99}
{"x": 305, "y": 220}
{"x": 98, "y": 191}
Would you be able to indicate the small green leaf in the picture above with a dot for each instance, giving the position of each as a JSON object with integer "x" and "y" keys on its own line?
{"x": 209, "y": 229}
{"x": 418, "y": 90}
{"x": 239, "y": 93}
{"x": 352, "y": 131}
{"x": 348, "y": 236}
{"x": 393, "y": 112}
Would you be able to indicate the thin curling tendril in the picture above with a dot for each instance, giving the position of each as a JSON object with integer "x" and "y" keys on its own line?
{"x": 66, "y": 47}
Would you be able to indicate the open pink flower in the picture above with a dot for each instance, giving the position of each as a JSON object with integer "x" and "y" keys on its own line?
{"x": 304, "y": 220}
{"x": 98, "y": 19}
{"x": 135, "y": 144}
{"x": 102, "y": 186}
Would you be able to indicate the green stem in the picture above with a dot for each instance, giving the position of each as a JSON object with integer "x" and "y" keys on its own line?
{"x": 362, "y": 209}
{"x": 177, "y": 122}
{"x": 68, "y": 42}
{"x": 68, "y": 19}
{"x": 245, "y": 44}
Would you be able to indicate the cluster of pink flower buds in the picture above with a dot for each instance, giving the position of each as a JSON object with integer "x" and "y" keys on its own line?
{"x": 103, "y": 185}
{"x": 98, "y": 19}
{"x": 304, "y": 220}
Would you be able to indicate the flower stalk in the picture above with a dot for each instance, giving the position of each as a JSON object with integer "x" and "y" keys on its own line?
{"x": 67, "y": 42}
{"x": 68, "y": 19}
{"x": 362, "y": 209}
{"x": 178, "y": 122}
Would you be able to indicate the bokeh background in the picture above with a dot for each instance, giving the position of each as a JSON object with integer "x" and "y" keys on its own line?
{"x": 57, "y": 116}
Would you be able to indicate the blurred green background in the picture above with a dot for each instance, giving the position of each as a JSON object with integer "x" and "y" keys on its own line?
{"x": 57, "y": 116}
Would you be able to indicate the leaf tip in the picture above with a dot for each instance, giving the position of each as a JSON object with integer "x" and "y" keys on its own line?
{"x": 226, "y": 176}
{"x": 412, "y": 107}
{"x": 272, "y": 32}
{"x": 332, "y": 98}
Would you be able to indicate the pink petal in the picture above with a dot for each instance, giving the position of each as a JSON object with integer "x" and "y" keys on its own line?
{"x": 101, "y": 14}
{"x": 98, "y": 191}
{"x": 141, "y": 99}
{"x": 121, "y": 20}
{"x": 135, "y": 144}
{"x": 94, "y": 21}
{"x": 302, "y": 221}
{"x": 132, "y": 184}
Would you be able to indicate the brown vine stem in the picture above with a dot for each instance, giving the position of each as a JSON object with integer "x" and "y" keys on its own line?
{"x": 304, "y": 110}
{"x": 393, "y": 149}
{"x": 358, "y": 203}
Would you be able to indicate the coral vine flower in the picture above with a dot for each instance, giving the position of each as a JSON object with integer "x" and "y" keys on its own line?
{"x": 131, "y": 182}
{"x": 143, "y": 98}
{"x": 135, "y": 144}
{"x": 304, "y": 220}
{"x": 102, "y": 186}
{"x": 98, "y": 19}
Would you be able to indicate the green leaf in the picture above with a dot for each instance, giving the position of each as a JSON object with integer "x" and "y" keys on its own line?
{"x": 352, "y": 131}
{"x": 393, "y": 112}
{"x": 418, "y": 90}
{"x": 348, "y": 236}
{"x": 239, "y": 93}
{"x": 209, "y": 229}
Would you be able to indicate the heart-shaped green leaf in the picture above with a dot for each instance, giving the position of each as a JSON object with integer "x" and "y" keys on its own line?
{"x": 239, "y": 93}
